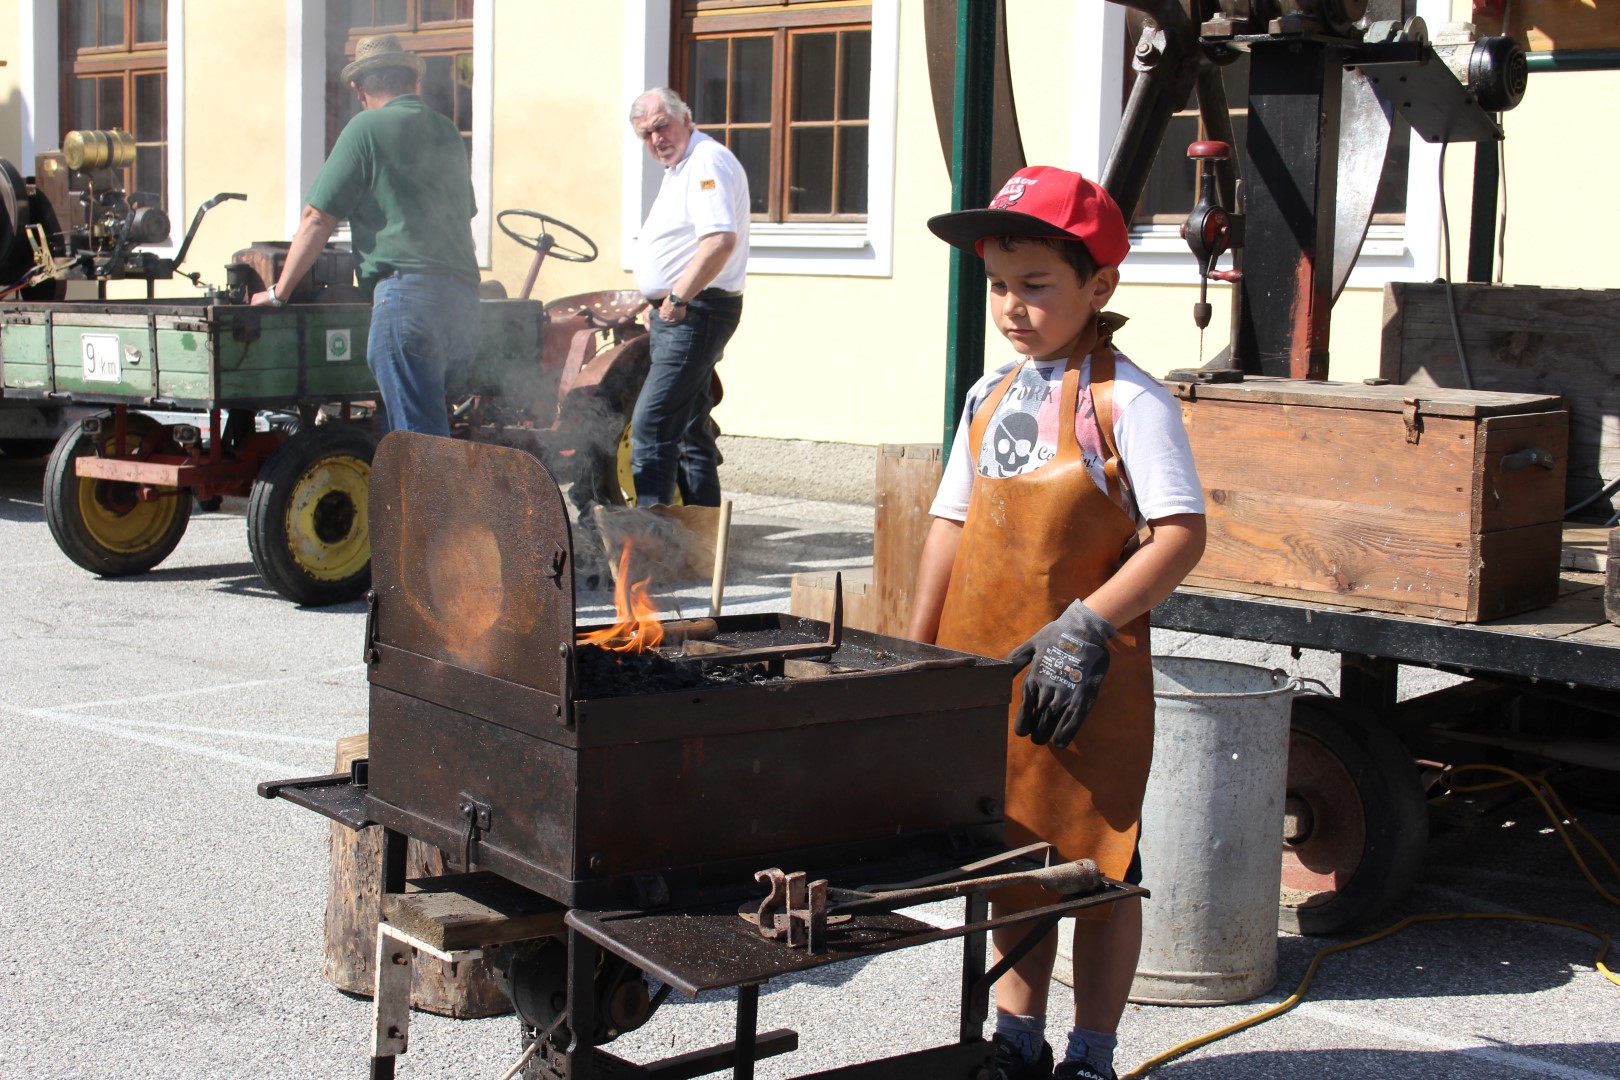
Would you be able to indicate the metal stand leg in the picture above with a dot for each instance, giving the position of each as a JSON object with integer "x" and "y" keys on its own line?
{"x": 391, "y": 993}
{"x": 747, "y": 1023}
{"x": 975, "y": 991}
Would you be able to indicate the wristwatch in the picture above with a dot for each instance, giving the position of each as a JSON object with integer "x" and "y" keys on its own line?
{"x": 270, "y": 291}
{"x": 675, "y": 301}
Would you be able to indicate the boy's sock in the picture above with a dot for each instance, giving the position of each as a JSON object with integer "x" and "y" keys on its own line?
{"x": 1028, "y": 1033}
{"x": 1095, "y": 1048}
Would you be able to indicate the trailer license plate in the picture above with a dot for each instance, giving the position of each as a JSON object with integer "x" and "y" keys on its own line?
{"x": 100, "y": 357}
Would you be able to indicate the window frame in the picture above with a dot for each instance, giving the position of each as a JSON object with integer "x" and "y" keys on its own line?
{"x": 451, "y": 37}
{"x": 784, "y": 28}
{"x": 128, "y": 60}
{"x": 802, "y": 248}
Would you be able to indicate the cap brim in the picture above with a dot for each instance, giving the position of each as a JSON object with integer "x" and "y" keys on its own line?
{"x": 965, "y": 228}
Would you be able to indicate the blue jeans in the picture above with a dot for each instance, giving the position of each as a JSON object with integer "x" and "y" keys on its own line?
{"x": 423, "y": 326}
{"x": 671, "y": 435}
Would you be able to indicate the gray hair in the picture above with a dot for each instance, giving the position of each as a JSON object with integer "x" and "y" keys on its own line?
{"x": 673, "y": 105}
{"x": 388, "y": 81}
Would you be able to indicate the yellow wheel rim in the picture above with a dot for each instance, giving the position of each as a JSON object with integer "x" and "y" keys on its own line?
{"x": 119, "y": 522}
{"x": 626, "y": 478}
{"x": 328, "y": 533}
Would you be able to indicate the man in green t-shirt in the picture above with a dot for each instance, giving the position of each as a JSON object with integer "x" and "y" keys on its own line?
{"x": 399, "y": 174}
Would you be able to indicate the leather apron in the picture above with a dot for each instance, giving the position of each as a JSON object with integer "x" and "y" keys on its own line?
{"x": 1031, "y": 544}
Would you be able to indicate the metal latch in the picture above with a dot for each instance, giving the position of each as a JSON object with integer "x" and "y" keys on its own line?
{"x": 476, "y": 823}
{"x": 1414, "y": 422}
{"x": 369, "y": 653}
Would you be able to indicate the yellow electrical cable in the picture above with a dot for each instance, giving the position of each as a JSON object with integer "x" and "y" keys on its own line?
{"x": 1316, "y": 961}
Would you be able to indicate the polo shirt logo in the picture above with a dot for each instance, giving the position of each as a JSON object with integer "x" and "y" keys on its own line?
{"x": 706, "y": 185}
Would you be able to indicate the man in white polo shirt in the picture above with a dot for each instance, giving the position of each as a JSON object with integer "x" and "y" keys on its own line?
{"x": 690, "y": 260}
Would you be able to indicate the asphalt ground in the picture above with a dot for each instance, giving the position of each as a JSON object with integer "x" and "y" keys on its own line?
{"x": 158, "y": 919}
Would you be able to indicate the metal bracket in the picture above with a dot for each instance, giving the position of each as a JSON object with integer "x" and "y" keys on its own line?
{"x": 391, "y": 996}
{"x": 1413, "y": 421}
{"x": 795, "y": 910}
{"x": 477, "y": 815}
{"x": 369, "y": 653}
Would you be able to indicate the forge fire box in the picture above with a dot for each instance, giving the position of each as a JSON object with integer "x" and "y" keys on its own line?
{"x": 1443, "y": 504}
{"x": 489, "y": 740}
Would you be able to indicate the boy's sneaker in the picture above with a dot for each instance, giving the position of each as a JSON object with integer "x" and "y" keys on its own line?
{"x": 1081, "y": 1070}
{"x": 1010, "y": 1063}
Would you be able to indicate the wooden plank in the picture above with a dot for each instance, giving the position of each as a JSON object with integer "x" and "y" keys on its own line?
{"x": 1377, "y": 561}
{"x": 1439, "y": 399}
{"x": 1325, "y": 454}
{"x": 1586, "y": 547}
{"x": 472, "y": 911}
{"x": 812, "y": 597}
{"x": 1520, "y": 339}
{"x": 1611, "y": 582}
{"x": 1512, "y": 498}
{"x": 907, "y": 479}
{"x": 1528, "y": 560}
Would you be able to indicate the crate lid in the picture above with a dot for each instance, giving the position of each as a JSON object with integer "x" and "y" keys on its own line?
{"x": 1371, "y": 397}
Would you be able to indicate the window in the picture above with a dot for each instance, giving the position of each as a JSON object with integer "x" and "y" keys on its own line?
{"x": 439, "y": 31}
{"x": 114, "y": 75}
{"x": 787, "y": 86}
{"x": 1172, "y": 185}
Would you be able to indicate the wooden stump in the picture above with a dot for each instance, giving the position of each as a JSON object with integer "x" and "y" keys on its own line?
{"x": 354, "y": 904}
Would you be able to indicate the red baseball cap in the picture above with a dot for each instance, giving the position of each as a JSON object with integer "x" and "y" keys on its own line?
{"x": 1042, "y": 201}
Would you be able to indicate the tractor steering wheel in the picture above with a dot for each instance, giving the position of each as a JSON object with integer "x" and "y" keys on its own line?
{"x": 544, "y": 242}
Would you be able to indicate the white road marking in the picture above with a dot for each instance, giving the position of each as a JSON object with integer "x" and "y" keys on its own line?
{"x": 195, "y": 691}
{"x": 123, "y": 732}
{"x": 73, "y": 715}
{"x": 1499, "y": 1059}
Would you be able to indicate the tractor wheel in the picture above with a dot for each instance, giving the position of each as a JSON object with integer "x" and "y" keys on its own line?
{"x": 308, "y": 531}
{"x": 621, "y": 486}
{"x": 100, "y": 524}
{"x": 1355, "y": 821}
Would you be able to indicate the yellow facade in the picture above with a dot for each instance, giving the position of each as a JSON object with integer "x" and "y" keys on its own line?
{"x": 852, "y": 357}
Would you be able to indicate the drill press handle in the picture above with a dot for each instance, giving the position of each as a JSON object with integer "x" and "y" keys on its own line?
{"x": 1210, "y": 229}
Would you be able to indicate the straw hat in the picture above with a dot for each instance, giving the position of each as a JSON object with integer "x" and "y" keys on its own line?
{"x": 381, "y": 51}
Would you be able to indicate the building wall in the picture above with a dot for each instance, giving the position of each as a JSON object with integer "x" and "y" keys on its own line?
{"x": 849, "y": 356}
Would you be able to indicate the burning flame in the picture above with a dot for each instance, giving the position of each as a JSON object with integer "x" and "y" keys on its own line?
{"x": 636, "y": 629}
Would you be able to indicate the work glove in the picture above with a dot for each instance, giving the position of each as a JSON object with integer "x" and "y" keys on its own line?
{"x": 1067, "y": 659}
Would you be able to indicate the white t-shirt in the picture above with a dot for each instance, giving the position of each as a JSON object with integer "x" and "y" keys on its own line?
{"x": 1022, "y": 436}
{"x": 705, "y": 192}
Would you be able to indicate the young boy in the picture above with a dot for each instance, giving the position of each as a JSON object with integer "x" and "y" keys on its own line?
{"x": 1068, "y": 508}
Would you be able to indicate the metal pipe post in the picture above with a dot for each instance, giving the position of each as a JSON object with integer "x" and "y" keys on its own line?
{"x": 970, "y": 188}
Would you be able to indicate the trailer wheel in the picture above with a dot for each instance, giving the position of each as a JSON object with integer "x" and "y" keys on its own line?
{"x": 308, "y": 530}
{"x": 100, "y": 524}
{"x": 1355, "y": 825}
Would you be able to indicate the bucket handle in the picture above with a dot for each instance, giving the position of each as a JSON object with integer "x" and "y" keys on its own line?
{"x": 1302, "y": 684}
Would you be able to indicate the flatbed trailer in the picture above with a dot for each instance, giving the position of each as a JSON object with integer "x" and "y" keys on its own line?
{"x": 197, "y": 399}
{"x": 1544, "y": 682}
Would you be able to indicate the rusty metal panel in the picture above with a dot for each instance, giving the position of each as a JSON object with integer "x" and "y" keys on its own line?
{"x": 474, "y": 574}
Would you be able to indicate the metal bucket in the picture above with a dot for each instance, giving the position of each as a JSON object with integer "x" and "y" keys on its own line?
{"x": 1212, "y": 822}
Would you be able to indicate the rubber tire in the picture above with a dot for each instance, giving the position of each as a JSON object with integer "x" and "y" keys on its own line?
{"x": 92, "y": 526}
{"x": 1393, "y": 814}
{"x": 26, "y": 449}
{"x": 326, "y": 470}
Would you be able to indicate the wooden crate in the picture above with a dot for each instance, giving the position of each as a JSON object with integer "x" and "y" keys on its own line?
{"x": 1381, "y": 497}
{"x": 812, "y": 597}
{"x": 1521, "y": 339}
{"x": 907, "y": 479}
